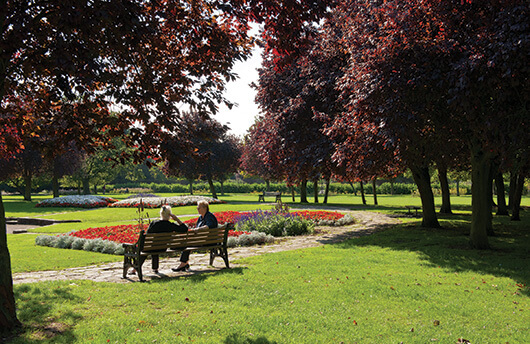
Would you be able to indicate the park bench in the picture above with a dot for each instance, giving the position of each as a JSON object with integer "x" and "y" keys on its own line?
{"x": 410, "y": 207}
{"x": 278, "y": 195}
{"x": 211, "y": 240}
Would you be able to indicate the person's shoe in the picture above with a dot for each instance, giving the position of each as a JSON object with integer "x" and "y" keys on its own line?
{"x": 182, "y": 268}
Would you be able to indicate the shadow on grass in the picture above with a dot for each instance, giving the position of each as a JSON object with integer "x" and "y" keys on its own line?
{"x": 198, "y": 276}
{"x": 449, "y": 247}
{"x": 35, "y": 306}
{"x": 238, "y": 339}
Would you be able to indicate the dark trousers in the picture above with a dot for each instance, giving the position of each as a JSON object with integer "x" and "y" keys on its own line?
{"x": 155, "y": 259}
{"x": 185, "y": 256}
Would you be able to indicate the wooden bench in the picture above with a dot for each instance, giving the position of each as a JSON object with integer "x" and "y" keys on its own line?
{"x": 278, "y": 195}
{"x": 211, "y": 240}
{"x": 410, "y": 207}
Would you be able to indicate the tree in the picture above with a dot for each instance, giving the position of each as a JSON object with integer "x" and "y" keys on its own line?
{"x": 10, "y": 144}
{"x": 225, "y": 158}
{"x": 489, "y": 88}
{"x": 150, "y": 57}
{"x": 300, "y": 98}
{"x": 210, "y": 142}
{"x": 429, "y": 74}
{"x": 261, "y": 154}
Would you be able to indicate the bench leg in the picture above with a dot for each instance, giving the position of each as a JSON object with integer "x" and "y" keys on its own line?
{"x": 127, "y": 263}
{"x": 139, "y": 268}
{"x": 218, "y": 252}
{"x": 225, "y": 258}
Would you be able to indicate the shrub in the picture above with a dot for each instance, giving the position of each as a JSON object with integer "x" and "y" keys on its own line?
{"x": 109, "y": 247}
{"x": 254, "y": 238}
{"x": 275, "y": 224}
{"x": 63, "y": 241}
{"x": 119, "y": 250}
{"x": 89, "y": 245}
{"x": 78, "y": 243}
{"x": 45, "y": 240}
{"x": 98, "y": 245}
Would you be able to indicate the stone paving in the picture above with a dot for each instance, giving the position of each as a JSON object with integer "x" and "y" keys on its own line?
{"x": 367, "y": 223}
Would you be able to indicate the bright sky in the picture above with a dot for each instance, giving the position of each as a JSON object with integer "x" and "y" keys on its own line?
{"x": 241, "y": 117}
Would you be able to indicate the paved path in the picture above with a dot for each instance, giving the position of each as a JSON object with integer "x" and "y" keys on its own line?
{"x": 367, "y": 223}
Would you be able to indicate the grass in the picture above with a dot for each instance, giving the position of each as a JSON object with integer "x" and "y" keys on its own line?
{"x": 406, "y": 284}
{"x": 27, "y": 257}
{"x": 402, "y": 285}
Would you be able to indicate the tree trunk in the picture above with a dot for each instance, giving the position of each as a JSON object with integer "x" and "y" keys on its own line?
{"x": 517, "y": 195}
{"x": 303, "y": 191}
{"x": 27, "y": 186}
{"x": 422, "y": 179}
{"x": 8, "y": 315}
{"x": 513, "y": 186}
{"x": 327, "y": 191}
{"x": 268, "y": 185}
{"x": 86, "y": 186}
{"x": 190, "y": 181}
{"x": 315, "y": 190}
{"x": 55, "y": 186}
{"x": 222, "y": 188}
{"x": 392, "y": 186}
{"x": 502, "y": 209}
{"x": 374, "y": 188}
{"x": 353, "y": 189}
{"x": 212, "y": 187}
{"x": 458, "y": 187}
{"x": 362, "y": 193}
{"x": 481, "y": 179}
{"x": 446, "y": 194}
{"x": 95, "y": 189}
{"x": 292, "y": 194}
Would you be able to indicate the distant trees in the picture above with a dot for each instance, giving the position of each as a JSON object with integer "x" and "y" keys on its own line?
{"x": 215, "y": 154}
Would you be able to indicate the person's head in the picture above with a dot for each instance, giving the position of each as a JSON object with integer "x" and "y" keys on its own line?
{"x": 165, "y": 212}
{"x": 203, "y": 207}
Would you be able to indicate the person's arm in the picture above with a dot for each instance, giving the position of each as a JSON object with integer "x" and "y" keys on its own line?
{"x": 175, "y": 218}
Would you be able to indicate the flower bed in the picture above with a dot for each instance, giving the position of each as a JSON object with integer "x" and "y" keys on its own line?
{"x": 157, "y": 202}
{"x": 251, "y": 228}
{"x": 77, "y": 201}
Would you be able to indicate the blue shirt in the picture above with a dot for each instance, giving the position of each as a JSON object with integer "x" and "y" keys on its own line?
{"x": 207, "y": 220}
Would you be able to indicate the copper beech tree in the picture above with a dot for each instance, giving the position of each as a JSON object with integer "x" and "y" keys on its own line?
{"x": 77, "y": 58}
{"x": 431, "y": 77}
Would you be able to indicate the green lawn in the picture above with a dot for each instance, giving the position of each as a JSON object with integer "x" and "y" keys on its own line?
{"x": 406, "y": 284}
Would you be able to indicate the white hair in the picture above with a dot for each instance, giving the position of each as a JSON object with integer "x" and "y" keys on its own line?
{"x": 204, "y": 204}
{"x": 165, "y": 212}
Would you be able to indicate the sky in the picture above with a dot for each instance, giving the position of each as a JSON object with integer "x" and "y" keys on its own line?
{"x": 241, "y": 117}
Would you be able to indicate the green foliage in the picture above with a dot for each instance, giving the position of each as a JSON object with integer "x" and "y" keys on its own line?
{"x": 277, "y": 224}
{"x": 254, "y": 238}
{"x": 70, "y": 242}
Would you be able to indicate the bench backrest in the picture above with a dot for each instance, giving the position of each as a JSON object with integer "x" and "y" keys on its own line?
{"x": 162, "y": 241}
{"x": 265, "y": 193}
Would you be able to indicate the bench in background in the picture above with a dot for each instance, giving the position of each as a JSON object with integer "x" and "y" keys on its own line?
{"x": 278, "y": 196}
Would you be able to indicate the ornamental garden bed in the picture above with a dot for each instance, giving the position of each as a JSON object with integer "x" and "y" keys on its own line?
{"x": 157, "y": 202}
{"x": 251, "y": 228}
{"x": 77, "y": 201}
{"x": 95, "y": 201}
